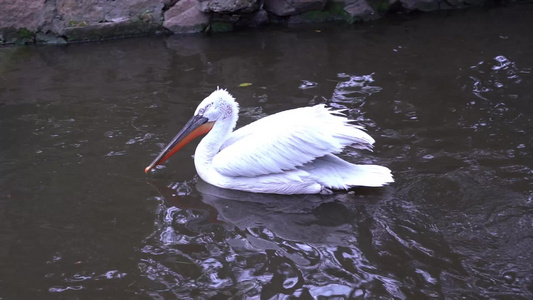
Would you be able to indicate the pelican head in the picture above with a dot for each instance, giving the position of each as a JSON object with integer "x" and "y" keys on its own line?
{"x": 219, "y": 106}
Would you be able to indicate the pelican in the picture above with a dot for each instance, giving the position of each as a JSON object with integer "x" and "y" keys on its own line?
{"x": 290, "y": 152}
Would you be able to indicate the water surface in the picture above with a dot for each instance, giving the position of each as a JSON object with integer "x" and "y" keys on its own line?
{"x": 446, "y": 96}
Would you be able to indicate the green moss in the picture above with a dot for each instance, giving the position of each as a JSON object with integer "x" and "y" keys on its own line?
{"x": 18, "y": 36}
{"x": 24, "y": 34}
{"x": 380, "y": 6}
{"x": 315, "y": 16}
{"x": 108, "y": 30}
{"x": 73, "y": 23}
{"x": 336, "y": 9}
{"x": 146, "y": 16}
{"x": 221, "y": 27}
{"x": 333, "y": 11}
{"x": 143, "y": 13}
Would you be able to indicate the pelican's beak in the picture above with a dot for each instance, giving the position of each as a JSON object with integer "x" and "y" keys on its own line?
{"x": 196, "y": 126}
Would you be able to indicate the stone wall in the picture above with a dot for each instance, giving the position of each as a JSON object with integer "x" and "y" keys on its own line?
{"x": 65, "y": 21}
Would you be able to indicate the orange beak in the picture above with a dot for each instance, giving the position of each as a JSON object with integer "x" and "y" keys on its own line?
{"x": 196, "y": 126}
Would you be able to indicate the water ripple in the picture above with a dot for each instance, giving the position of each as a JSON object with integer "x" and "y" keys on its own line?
{"x": 497, "y": 75}
{"x": 353, "y": 89}
{"x": 334, "y": 260}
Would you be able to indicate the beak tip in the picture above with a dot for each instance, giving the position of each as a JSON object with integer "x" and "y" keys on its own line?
{"x": 147, "y": 169}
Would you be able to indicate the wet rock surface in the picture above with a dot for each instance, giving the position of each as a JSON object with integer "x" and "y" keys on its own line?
{"x": 65, "y": 21}
{"x": 229, "y": 6}
{"x": 292, "y": 7}
{"x": 186, "y": 17}
{"x": 360, "y": 9}
{"x": 41, "y": 21}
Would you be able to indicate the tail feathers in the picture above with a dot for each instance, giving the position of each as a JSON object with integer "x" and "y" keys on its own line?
{"x": 335, "y": 173}
{"x": 370, "y": 175}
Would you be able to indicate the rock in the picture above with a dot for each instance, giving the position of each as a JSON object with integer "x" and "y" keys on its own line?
{"x": 293, "y": 7}
{"x": 29, "y": 14}
{"x": 60, "y": 21}
{"x": 420, "y": 5}
{"x": 228, "y": 6}
{"x": 19, "y": 36}
{"x": 101, "y": 11}
{"x": 229, "y": 21}
{"x": 258, "y": 18}
{"x": 169, "y": 3}
{"x": 116, "y": 28}
{"x": 255, "y": 19}
{"x": 42, "y": 21}
{"x": 48, "y": 38}
{"x": 186, "y": 17}
{"x": 361, "y": 10}
{"x": 82, "y": 20}
{"x": 226, "y": 18}
{"x": 334, "y": 11}
{"x": 384, "y": 7}
{"x": 221, "y": 26}
{"x": 20, "y": 19}
{"x": 312, "y": 16}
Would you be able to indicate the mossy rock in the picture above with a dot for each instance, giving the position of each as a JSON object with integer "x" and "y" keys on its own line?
{"x": 380, "y": 6}
{"x": 24, "y": 34}
{"x": 20, "y": 36}
{"x": 315, "y": 16}
{"x": 221, "y": 27}
{"x": 146, "y": 17}
{"x": 48, "y": 38}
{"x": 73, "y": 23}
{"x": 336, "y": 9}
{"x": 333, "y": 11}
{"x": 101, "y": 31}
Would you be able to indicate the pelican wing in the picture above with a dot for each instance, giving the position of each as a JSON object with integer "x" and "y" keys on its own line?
{"x": 287, "y": 140}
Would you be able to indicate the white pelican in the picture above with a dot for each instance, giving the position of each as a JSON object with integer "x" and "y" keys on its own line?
{"x": 291, "y": 152}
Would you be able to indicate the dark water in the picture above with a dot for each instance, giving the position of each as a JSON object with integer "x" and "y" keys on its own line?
{"x": 447, "y": 97}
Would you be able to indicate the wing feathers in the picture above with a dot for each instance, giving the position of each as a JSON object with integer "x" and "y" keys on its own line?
{"x": 335, "y": 173}
{"x": 288, "y": 140}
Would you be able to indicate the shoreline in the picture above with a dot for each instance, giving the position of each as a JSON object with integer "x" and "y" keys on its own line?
{"x": 66, "y": 21}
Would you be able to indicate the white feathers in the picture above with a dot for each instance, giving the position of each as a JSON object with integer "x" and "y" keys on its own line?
{"x": 335, "y": 173}
{"x": 219, "y": 105}
{"x": 291, "y": 152}
{"x": 286, "y": 141}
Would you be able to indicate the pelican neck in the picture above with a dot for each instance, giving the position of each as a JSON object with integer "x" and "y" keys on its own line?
{"x": 210, "y": 145}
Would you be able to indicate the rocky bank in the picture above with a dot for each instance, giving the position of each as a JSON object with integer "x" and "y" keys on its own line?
{"x": 66, "y": 21}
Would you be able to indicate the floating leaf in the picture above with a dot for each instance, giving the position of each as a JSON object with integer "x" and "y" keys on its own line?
{"x": 245, "y": 84}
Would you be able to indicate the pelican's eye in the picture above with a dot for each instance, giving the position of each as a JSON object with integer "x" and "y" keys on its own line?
{"x": 203, "y": 109}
